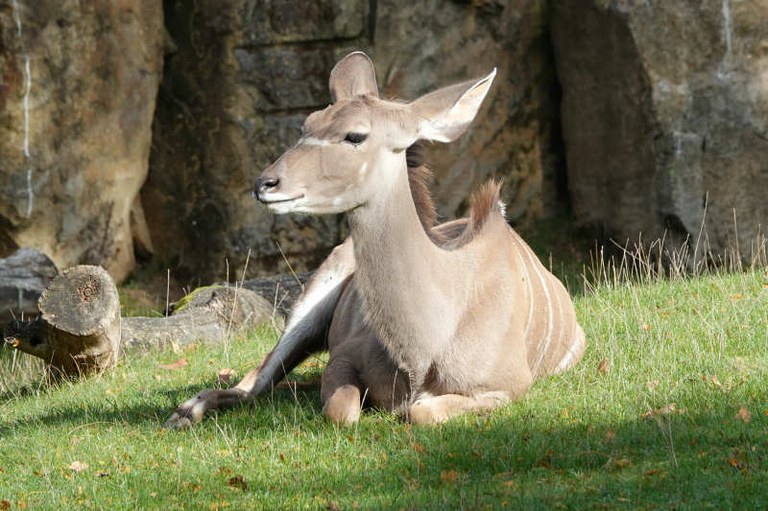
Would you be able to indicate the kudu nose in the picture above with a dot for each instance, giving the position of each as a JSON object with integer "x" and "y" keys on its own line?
{"x": 264, "y": 185}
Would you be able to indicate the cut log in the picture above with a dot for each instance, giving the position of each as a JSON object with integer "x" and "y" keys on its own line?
{"x": 207, "y": 314}
{"x": 80, "y": 330}
{"x": 23, "y": 278}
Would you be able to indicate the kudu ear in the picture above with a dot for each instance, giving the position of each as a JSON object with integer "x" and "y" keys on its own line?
{"x": 446, "y": 113}
{"x": 354, "y": 75}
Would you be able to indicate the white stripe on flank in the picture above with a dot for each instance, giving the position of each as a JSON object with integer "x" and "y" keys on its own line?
{"x": 559, "y": 299}
{"x": 530, "y": 291}
{"x": 550, "y": 319}
{"x": 566, "y": 361}
{"x": 568, "y": 358}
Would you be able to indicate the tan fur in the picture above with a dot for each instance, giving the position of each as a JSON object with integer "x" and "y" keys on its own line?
{"x": 426, "y": 320}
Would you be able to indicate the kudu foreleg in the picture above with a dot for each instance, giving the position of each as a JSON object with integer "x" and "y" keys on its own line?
{"x": 304, "y": 334}
{"x": 340, "y": 392}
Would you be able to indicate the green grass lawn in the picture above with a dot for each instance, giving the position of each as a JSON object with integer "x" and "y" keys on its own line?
{"x": 668, "y": 410}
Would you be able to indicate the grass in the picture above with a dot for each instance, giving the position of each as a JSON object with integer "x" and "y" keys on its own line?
{"x": 668, "y": 410}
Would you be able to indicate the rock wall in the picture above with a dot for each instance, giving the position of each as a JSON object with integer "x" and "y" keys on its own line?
{"x": 239, "y": 82}
{"x": 245, "y": 73}
{"x": 663, "y": 107}
{"x": 665, "y": 118}
{"x": 76, "y": 104}
{"x": 516, "y": 134}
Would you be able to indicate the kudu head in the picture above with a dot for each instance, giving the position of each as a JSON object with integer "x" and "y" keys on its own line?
{"x": 353, "y": 149}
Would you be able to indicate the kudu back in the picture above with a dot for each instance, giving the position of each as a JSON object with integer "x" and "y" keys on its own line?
{"x": 427, "y": 320}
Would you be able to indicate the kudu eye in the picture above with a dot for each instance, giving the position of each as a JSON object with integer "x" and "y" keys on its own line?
{"x": 355, "y": 138}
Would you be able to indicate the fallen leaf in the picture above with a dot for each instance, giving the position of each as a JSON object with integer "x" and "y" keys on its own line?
{"x": 610, "y": 435}
{"x": 5, "y": 505}
{"x": 715, "y": 381}
{"x": 618, "y": 463}
{"x": 737, "y": 296}
{"x": 226, "y": 375}
{"x": 652, "y": 384}
{"x": 666, "y": 410}
{"x": 77, "y": 466}
{"x": 419, "y": 448}
{"x": 603, "y": 366}
{"x": 449, "y": 476}
{"x": 738, "y": 461}
{"x": 743, "y": 415}
{"x": 238, "y": 482}
{"x": 174, "y": 365}
{"x": 645, "y": 327}
{"x": 546, "y": 460}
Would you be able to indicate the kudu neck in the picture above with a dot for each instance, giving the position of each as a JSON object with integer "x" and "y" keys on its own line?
{"x": 400, "y": 274}
{"x": 389, "y": 223}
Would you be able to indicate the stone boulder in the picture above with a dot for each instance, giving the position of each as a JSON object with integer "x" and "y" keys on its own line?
{"x": 665, "y": 118}
{"x": 77, "y": 98}
{"x": 245, "y": 73}
{"x": 419, "y": 46}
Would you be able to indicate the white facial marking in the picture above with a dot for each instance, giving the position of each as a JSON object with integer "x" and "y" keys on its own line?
{"x": 314, "y": 141}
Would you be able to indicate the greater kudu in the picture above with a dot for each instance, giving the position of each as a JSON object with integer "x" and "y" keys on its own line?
{"x": 430, "y": 321}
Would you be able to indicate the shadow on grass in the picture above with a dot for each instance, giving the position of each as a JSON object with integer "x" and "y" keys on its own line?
{"x": 694, "y": 461}
{"x": 143, "y": 414}
{"x": 698, "y": 459}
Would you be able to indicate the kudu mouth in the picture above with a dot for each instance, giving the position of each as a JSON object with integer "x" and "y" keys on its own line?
{"x": 266, "y": 191}
{"x": 268, "y": 201}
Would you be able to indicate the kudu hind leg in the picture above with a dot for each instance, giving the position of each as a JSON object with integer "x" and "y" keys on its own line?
{"x": 437, "y": 409}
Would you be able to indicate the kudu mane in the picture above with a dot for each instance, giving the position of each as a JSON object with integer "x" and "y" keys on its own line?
{"x": 484, "y": 202}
